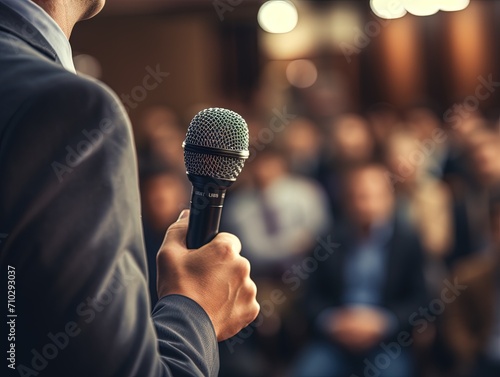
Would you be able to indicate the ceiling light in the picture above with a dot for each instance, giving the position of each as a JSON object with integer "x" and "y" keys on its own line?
{"x": 277, "y": 16}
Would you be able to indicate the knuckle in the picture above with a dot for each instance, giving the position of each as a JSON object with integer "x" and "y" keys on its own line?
{"x": 253, "y": 312}
{"x": 231, "y": 240}
{"x": 248, "y": 292}
{"x": 222, "y": 247}
{"x": 251, "y": 289}
{"x": 243, "y": 267}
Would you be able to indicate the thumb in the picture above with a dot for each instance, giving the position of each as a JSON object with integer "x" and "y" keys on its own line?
{"x": 184, "y": 214}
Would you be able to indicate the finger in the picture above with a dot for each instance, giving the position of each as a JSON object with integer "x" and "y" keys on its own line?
{"x": 176, "y": 233}
{"x": 226, "y": 241}
{"x": 184, "y": 214}
{"x": 253, "y": 312}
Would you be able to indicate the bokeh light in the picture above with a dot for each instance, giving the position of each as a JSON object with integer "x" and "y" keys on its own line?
{"x": 453, "y": 5}
{"x": 301, "y": 73}
{"x": 278, "y": 16}
{"x": 88, "y": 65}
{"x": 422, "y": 7}
{"x": 388, "y": 9}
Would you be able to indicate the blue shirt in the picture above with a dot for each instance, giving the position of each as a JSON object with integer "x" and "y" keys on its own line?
{"x": 46, "y": 25}
{"x": 365, "y": 268}
{"x": 364, "y": 276}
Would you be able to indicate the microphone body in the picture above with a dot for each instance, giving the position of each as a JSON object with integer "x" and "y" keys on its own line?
{"x": 207, "y": 200}
{"x": 215, "y": 151}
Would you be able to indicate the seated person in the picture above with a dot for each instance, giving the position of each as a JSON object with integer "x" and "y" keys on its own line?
{"x": 361, "y": 297}
{"x": 472, "y": 321}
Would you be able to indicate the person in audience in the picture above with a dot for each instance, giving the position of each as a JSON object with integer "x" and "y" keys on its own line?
{"x": 423, "y": 121}
{"x": 426, "y": 203}
{"x": 424, "y": 200}
{"x": 279, "y": 215}
{"x": 349, "y": 142}
{"x": 456, "y": 170}
{"x": 329, "y": 97}
{"x": 473, "y": 318}
{"x": 482, "y": 150}
{"x": 383, "y": 119}
{"x": 302, "y": 142}
{"x": 363, "y": 292}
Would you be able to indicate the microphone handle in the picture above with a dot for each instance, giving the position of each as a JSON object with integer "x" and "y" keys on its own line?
{"x": 206, "y": 210}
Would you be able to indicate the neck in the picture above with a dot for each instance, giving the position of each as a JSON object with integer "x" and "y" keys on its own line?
{"x": 61, "y": 13}
{"x": 66, "y": 13}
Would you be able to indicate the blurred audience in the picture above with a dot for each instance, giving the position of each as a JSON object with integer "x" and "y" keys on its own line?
{"x": 365, "y": 291}
{"x": 400, "y": 228}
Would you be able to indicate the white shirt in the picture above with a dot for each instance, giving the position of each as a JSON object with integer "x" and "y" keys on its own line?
{"x": 46, "y": 25}
{"x": 301, "y": 210}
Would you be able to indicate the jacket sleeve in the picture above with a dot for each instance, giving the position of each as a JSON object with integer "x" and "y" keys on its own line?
{"x": 69, "y": 207}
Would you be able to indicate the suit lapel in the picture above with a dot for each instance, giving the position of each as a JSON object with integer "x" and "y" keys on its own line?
{"x": 16, "y": 25}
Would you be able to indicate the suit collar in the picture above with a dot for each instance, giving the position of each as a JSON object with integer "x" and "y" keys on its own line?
{"x": 14, "y": 24}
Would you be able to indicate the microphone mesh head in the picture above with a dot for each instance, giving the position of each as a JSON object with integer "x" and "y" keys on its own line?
{"x": 220, "y": 129}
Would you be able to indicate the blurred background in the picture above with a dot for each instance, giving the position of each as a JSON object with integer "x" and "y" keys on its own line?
{"x": 370, "y": 204}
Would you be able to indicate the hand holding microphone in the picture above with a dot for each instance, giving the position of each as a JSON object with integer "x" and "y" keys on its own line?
{"x": 195, "y": 260}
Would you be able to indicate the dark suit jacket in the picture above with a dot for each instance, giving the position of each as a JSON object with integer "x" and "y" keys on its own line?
{"x": 403, "y": 290}
{"x": 70, "y": 226}
{"x": 470, "y": 318}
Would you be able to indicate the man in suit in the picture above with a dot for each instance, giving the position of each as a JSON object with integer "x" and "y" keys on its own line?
{"x": 364, "y": 294}
{"x": 72, "y": 246}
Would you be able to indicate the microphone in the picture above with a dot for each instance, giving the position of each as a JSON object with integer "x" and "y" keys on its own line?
{"x": 215, "y": 151}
